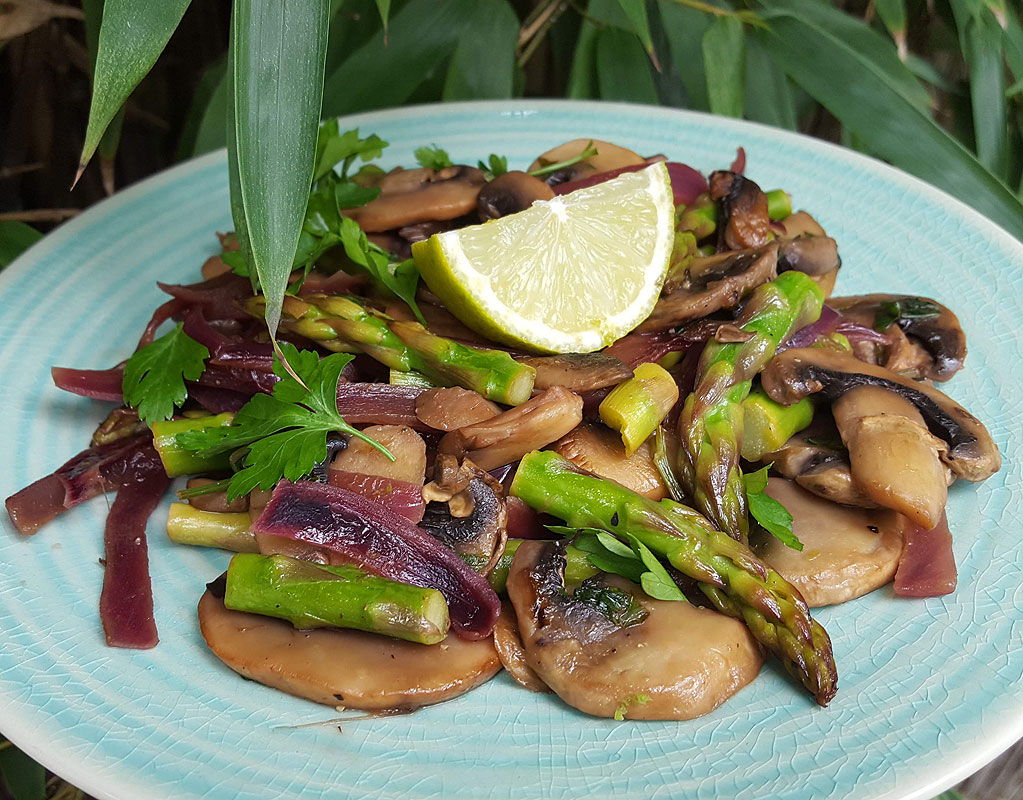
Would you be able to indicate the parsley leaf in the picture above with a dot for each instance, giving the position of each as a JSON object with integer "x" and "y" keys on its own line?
{"x": 906, "y": 309}
{"x": 618, "y": 605}
{"x": 236, "y": 261}
{"x": 495, "y": 167}
{"x": 656, "y": 582}
{"x": 333, "y": 148}
{"x": 285, "y": 433}
{"x": 772, "y": 515}
{"x": 401, "y": 278}
{"x": 432, "y": 157}
{"x": 154, "y": 377}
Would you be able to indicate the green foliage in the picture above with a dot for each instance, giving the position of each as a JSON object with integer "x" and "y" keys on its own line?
{"x": 131, "y": 37}
{"x": 154, "y": 377}
{"x": 772, "y": 515}
{"x": 275, "y": 69}
{"x": 15, "y": 238}
{"x": 23, "y": 778}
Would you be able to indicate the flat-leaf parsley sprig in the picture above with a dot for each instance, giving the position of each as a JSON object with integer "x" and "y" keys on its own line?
{"x": 154, "y": 377}
{"x": 285, "y": 434}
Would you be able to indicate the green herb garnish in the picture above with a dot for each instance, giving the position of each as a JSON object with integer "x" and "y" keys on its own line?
{"x": 154, "y": 377}
{"x": 285, "y": 433}
{"x": 908, "y": 308}
{"x": 618, "y": 605}
{"x": 432, "y": 157}
{"x": 401, "y": 278}
{"x": 628, "y": 702}
{"x": 494, "y": 167}
{"x": 546, "y": 169}
{"x": 772, "y": 515}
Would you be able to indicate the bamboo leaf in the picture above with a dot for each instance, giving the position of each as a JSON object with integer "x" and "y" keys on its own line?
{"x": 131, "y": 37}
{"x": 108, "y": 143}
{"x": 893, "y": 15}
{"x": 378, "y": 74}
{"x": 724, "y": 61}
{"x": 635, "y": 10}
{"x": 685, "y": 28}
{"x": 582, "y": 77}
{"x": 1014, "y": 45}
{"x": 15, "y": 238}
{"x": 205, "y": 126}
{"x": 623, "y": 69}
{"x": 384, "y": 7}
{"x": 981, "y": 41}
{"x": 865, "y": 99}
{"x": 277, "y": 54}
{"x": 484, "y": 62}
{"x": 855, "y": 34}
{"x": 769, "y": 97}
{"x": 24, "y": 778}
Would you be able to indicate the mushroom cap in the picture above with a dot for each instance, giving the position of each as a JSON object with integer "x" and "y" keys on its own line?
{"x": 419, "y": 195}
{"x": 847, "y": 552}
{"x": 608, "y": 157}
{"x": 510, "y": 193}
{"x": 685, "y": 660}
{"x": 344, "y": 667}
{"x": 745, "y": 220}
{"x": 794, "y": 374}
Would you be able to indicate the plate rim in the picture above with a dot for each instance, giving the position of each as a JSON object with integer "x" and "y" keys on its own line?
{"x": 77, "y": 772}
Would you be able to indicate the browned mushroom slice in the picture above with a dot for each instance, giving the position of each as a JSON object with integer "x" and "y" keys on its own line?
{"x": 812, "y": 255}
{"x": 796, "y": 373}
{"x": 452, "y": 408}
{"x": 927, "y": 339}
{"x": 599, "y": 450}
{"x": 608, "y": 157}
{"x": 580, "y": 372}
{"x": 407, "y": 447}
{"x": 797, "y": 224}
{"x": 509, "y": 436}
{"x": 816, "y": 459}
{"x": 344, "y": 667}
{"x": 510, "y": 193}
{"x": 419, "y": 195}
{"x": 895, "y": 460}
{"x": 508, "y": 643}
{"x": 466, "y": 511}
{"x": 833, "y": 481}
{"x": 745, "y": 222}
{"x": 847, "y": 552}
{"x": 679, "y": 662}
{"x": 713, "y": 283}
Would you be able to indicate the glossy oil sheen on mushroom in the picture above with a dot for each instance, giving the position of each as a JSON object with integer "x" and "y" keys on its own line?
{"x": 680, "y": 662}
{"x": 847, "y": 552}
{"x": 344, "y": 667}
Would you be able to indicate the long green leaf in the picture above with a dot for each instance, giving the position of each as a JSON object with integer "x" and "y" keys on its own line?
{"x": 15, "y": 238}
{"x": 205, "y": 127}
{"x": 861, "y": 94}
{"x": 685, "y": 28}
{"x": 1014, "y": 44}
{"x": 871, "y": 45}
{"x": 25, "y": 779}
{"x": 277, "y": 54}
{"x": 378, "y": 74}
{"x": 981, "y": 40}
{"x": 384, "y": 7}
{"x": 635, "y": 10}
{"x": 582, "y": 77}
{"x": 131, "y": 37}
{"x": 893, "y": 15}
{"x": 768, "y": 96}
{"x": 724, "y": 61}
{"x": 623, "y": 68}
{"x": 484, "y": 61}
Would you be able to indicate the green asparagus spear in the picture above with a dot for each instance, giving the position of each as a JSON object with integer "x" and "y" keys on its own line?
{"x": 711, "y": 424}
{"x": 767, "y": 425}
{"x": 177, "y": 460}
{"x": 701, "y": 216}
{"x": 345, "y": 323}
{"x": 229, "y": 531}
{"x": 732, "y": 578}
{"x": 317, "y": 596}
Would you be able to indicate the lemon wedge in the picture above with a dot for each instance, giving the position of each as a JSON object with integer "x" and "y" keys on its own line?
{"x": 567, "y": 275}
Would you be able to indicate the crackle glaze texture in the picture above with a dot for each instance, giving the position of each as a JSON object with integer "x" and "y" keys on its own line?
{"x": 929, "y": 690}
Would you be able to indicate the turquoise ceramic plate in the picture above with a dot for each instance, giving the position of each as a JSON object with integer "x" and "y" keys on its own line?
{"x": 929, "y": 690}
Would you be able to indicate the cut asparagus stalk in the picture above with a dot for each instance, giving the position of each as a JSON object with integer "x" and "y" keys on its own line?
{"x": 312, "y": 595}
{"x": 767, "y": 425}
{"x": 636, "y": 406}
{"x": 228, "y": 531}
{"x": 178, "y": 461}
{"x": 732, "y": 578}
{"x": 577, "y": 569}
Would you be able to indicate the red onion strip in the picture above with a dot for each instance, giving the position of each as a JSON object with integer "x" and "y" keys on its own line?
{"x": 358, "y": 531}
{"x": 99, "y": 384}
{"x": 379, "y": 404}
{"x": 927, "y": 567}
{"x": 401, "y": 497}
